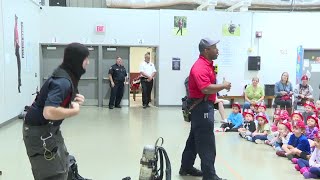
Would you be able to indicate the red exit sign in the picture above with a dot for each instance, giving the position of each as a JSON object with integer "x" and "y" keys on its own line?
{"x": 100, "y": 28}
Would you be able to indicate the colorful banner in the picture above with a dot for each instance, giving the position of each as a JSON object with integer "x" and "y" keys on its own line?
{"x": 22, "y": 40}
{"x": 299, "y": 65}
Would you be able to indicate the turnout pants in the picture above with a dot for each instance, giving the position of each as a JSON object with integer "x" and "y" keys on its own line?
{"x": 201, "y": 141}
{"x": 46, "y": 151}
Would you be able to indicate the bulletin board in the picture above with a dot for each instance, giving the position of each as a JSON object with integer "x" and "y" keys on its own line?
{"x": 311, "y": 67}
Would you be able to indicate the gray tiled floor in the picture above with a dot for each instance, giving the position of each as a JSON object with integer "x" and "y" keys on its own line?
{"x": 108, "y": 146}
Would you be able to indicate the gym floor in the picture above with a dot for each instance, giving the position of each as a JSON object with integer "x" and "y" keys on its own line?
{"x": 108, "y": 145}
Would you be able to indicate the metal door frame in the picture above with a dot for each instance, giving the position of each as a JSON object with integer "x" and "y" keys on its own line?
{"x": 41, "y": 66}
{"x": 156, "y": 85}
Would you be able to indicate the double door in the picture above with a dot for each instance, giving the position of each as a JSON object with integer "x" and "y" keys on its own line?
{"x": 94, "y": 84}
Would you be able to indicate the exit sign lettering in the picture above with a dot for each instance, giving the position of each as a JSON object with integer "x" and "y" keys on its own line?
{"x": 100, "y": 28}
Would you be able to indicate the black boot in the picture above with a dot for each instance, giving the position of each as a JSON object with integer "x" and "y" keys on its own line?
{"x": 191, "y": 172}
{"x": 75, "y": 174}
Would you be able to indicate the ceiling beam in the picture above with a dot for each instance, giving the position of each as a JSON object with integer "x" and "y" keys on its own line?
{"x": 208, "y": 5}
{"x": 242, "y": 6}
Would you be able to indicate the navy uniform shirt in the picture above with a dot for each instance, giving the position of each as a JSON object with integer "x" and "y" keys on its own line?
{"x": 118, "y": 73}
{"x": 55, "y": 92}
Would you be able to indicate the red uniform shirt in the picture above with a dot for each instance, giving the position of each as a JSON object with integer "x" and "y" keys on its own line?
{"x": 201, "y": 76}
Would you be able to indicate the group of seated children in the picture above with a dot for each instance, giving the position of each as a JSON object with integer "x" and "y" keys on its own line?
{"x": 235, "y": 119}
{"x": 294, "y": 136}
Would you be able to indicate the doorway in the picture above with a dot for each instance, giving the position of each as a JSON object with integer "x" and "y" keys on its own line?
{"x": 52, "y": 56}
{"x": 109, "y": 57}
{"x": 311, "y": 68}
{"x": 136, "y": 58}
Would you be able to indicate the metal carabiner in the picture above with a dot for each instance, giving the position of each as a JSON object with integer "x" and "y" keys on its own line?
{"x": 48, "y": 155}
{"x": 44, "y": 139}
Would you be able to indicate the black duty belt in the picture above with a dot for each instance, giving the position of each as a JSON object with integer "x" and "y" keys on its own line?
{"x": 40, "y": 130}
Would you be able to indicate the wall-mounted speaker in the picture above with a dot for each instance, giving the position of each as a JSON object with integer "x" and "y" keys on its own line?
{"x": 254, "y": 63}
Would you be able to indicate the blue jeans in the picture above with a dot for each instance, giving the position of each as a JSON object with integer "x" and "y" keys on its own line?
{"x": 315, "y": 170}
{"x": 302, "y": 163}
{"x": 261, "y": 137}
{"x": 276, "y": 144}
{"x": 246, "y": 105}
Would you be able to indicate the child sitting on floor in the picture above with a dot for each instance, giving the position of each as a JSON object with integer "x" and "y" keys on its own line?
{"x": 260, "y": 107}
{"x": 311, "y": 168}
{"x": 276, "y": 119}
{"x": 249, "y": 126}
{"x": 284, "y": 133}
{"x": 317, "y": 111}
{"x": 253, "y": 108}
{"x": 298, "y": 145}
{"x": 308, "y": 110}
{"x": 235, "y": 119}
{"x": 262, "y": 131}
{"x": 295, "y": 117}
{"x": 283, "y": 115}
{"x": 312, "y": 128}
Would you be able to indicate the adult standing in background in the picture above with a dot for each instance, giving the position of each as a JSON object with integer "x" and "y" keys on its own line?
{"x": 117, "y": 77}
{"x": 16, "y": 48}
{"x": 283, "y": 92}
{"x": 203, "y": 88}
{"x": 253, "y": 94}
{"x": 147, "y": 72}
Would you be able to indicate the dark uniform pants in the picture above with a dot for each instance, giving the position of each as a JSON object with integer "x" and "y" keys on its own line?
{"x": 116, "y": 94}
{"x": 55, "y": 165}
{"x": 283, "y": 103}
{"x": 201, "y": 141}
{"x": 146, "y": 90}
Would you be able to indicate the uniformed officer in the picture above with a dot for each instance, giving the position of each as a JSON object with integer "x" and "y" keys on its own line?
{"x": 201, "y": 139}
{"x": 117, "y": 76}
{"x": 41, "y": 129}
{"x": 147, "y": 72}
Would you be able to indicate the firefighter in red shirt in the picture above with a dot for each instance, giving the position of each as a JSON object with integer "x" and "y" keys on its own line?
{"x": 201, "y": 140}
